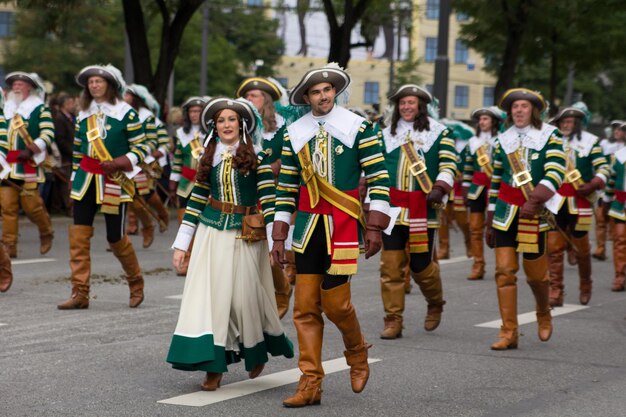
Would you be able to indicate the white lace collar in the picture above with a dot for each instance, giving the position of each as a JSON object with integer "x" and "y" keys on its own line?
{"x": 528, "y": 137}
{"x": 222, "y": 151}
{"x": 621, "y": 155}
{"x": 340, "y": 123}
{"x": 583, "y": 145}
{"x": 144, "y": 114}
{"x": 423, "y": 140}
{"x": 24, "y": 109}
{"x": 115, "y": 111}
{"x": 185, "y": 138}
{"x": 280, "y": 121}
{"x": 476, "y": 142}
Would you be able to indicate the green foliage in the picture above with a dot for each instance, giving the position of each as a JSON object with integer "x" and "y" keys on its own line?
{"x": 407, "y": 71}
{"x": 57, "y": 41}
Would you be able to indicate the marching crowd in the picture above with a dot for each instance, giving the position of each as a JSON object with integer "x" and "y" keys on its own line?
{"x": 280, "y": 192}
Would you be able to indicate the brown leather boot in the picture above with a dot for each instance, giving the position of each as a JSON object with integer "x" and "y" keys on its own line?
{"x": 392, "y": 287}
{"x": 538, "y": 278}
{"x": 584, "y": 268}
{"x": 619, "y": 256}
{"x": 6, "y": 274}
{"x": 164, "y": 215}
{"x": 212, "y": 381}
{"x": 429, "y": 282}
{"x": 80, "y": 265}
{"x": 506, "y": 267}
{"x": 307, "y": 318}
{"x": 123, "y": 250}
{"x": 290, "y": 267}
{"x": 133, "y": 227}
{"x": 35, "y": 210}
{"x": 282, "y": 290}
{"x": 147, "y": 229}
{"x": 444, "y": 237}
{"x": 477, "y": 228}
{"x": 556, "y": 246}
{"x": 309, "y": 392}
{"x": 600, "y": 252}
{"x": 10, "y": 217}
{"x": 338, "y": 307}
{"x": 571, "y": 256}
{"x": 461, "y": 219}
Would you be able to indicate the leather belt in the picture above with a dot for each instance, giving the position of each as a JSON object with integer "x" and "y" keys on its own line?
{"x": 230, "y": 208}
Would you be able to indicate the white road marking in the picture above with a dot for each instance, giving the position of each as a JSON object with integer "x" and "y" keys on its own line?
{"x": 532, "y": 317}
{"x": 3, "y": 324}
{"x": 454, "y": 260}
{"x": 175, "y": 297}
{"x": 33, "y": 261}
{"x": 251, "y": 386}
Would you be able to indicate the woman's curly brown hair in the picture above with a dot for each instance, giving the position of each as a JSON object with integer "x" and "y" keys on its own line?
{"x": 244, "y": 160}
{"x": 421, "y": 122}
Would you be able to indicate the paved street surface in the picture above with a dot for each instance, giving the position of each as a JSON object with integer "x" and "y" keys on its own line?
{"x": 109, "y": 360}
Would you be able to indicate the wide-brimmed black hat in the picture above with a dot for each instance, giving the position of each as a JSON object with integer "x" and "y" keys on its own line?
{"x": 514, "y": 94}
{"x": 259, "y": 83}
{"x": 568, "y": 112}
{"x": 616, "y": 123}
{"x": 331, "y": 73}
{"x": 241, "y": 106}
{"x": 492, "y": 111}
{"x": 31, "y": 78}
{"x": 411, "y": 90}
{"x": 194, "y": 101}
{"x": 108, "y": 72}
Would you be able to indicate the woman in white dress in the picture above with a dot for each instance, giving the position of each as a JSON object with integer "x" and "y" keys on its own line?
{"x": 228, "y": 312}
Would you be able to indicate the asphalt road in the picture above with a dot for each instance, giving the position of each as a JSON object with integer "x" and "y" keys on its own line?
{"x": 109, "y": 360}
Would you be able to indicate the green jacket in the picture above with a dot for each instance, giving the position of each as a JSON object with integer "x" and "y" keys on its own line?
{"x": 471, "y": 164}
{"x": 435, "y": 146}
{"x": 617, "y": 182}
{"x": 273, "y": 141}
{"x": 123, "y": 134}
{"x": 183, "y": 157}
{"x": 542, "y": 154}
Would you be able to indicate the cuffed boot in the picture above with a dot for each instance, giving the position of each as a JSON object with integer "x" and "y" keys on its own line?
{"x": 584, "y": 268}
{"x": 600, "y": 252}
{"x": 477, "y": 229}
{"x": 462, "y": 221}
{"x": 538, "y": 278}
{"x": 282, "y": 290}
{"x": 429, "y": 282}
{"x": 307, "y": 318}
{"x": 619, "y": 256}
{"x": 80, "y": 265}
{"x": 133, "y": 227}
{"x": 392, "y": 288}
{"x": 6, "y": 274}
{"x": 36, "y": 212}
{"x": 506, "y": 267}
{"x": 164, "y": 215}
{"x": 10, "y": 211}
{"x": 556, "y": 247}
{"x": 124, "y": 252}
{"x": 338, "y": 307}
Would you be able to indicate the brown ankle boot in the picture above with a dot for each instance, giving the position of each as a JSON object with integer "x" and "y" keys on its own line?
{"x": 429, "y": 281}
{"x": 212, "y": 381}
{"x": 80, "y": 265}
{"x": 584, "y": 268}
{"x": 309, "y": 392}
{"x": 556, "y": 247}
{"x": 477, "y": 228}
{"x": 307, "y": 318}
{"x": 337, "y": 305}
{"x": 392, "y": 289}
{"x": 123, "y": 250}
{"x": 36, "y": 212}
{"x": 6, "y": 274}
{"x": 537, "y": 277}
{"x": 619, "y": 256}
{"x": 11, "y": 250}
{"x": 506, "y": 281}
{"x": 164, "y": 215}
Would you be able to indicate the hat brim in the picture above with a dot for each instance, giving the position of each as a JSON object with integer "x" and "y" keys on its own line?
{"x": 258, "y": 83}
{"x": 218, "y": 104}
{"x": 516, "y": 94}
{"x": 411, "y": 90}
{"x": 568, "y": 112}
{"x": 96, "y": 71}
{"x": 194, "y": 101}
{"x": 20, "y": 76}
{"x": 485, "y": 111}
{"x": 338, "y": 78}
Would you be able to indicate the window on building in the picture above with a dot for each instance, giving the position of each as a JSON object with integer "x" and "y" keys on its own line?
{"x": 431, "y": 50}
{"x": 462, "y": 17}
{"x": 488, "y": 98}
{"x": 432, "y": 9}
{"x": 371, "y": 91}
{"x": 6, "y": 24}
{"x": 461, "y": 96}
{"x": 283, "y": 81}
{"x": 460, "y": 52}
{"x": 255, "y": 3}
{"x": 430, "y": 88}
